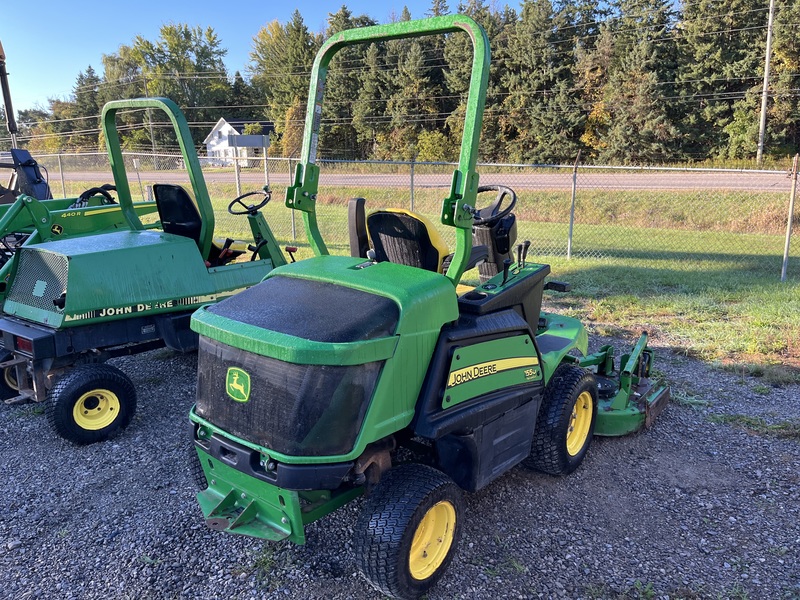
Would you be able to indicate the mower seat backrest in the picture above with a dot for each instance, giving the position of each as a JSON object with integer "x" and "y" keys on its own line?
{"x": 405, "y": 238}
{"x": 357, "y": 227}
{"x": 177, "y": 211}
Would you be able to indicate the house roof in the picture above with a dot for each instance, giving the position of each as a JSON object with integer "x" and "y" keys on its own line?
{"x": 238, "y": 125}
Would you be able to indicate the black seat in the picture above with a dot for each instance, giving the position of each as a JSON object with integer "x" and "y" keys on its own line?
{"x": 179, "y": 216}
{"x": 402, "y": 237}
{"x": 177, "y": 211}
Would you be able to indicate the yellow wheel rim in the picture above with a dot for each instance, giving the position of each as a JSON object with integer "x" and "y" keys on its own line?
{"x": 10, "y": 378}
{"x": 432, "y": 540}
{"x": 579, "y": 423}
{"x": 96, "y": 409}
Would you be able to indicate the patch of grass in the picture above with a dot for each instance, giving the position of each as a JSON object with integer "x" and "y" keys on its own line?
{"x": 684, "y": 398}
{"x": 735, "y": 592}
{"x": 644, "y": 591}
{"x": 517, "y": 566}
{"x": 789, "y": 429}
{"x": 772, "y": 374}
{"x": 30, "y": 410}
{"x": 264, "y": 562}
{"x": 148, "y": 560}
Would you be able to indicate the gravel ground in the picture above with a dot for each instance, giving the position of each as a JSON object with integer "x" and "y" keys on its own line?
{"x": 692, "y": 508}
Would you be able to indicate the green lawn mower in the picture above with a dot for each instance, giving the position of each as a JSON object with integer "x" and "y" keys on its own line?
{"x": 377, "y": 374}
{"x": 75, "y": 297}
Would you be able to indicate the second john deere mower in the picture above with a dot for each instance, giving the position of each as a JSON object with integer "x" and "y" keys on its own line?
{"x": 73, "y": 303}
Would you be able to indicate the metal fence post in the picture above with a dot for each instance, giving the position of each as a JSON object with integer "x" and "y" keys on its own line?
{"x": 412, "y": 184}
{"x": 61, "y": 172}
{"x": 572, "y": 207}
{"x": 792, "y": 196}
{"x": 237, "y": 173}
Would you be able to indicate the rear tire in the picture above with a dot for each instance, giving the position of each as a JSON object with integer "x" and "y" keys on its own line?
{"x": 91, "y": 403}
{"x": 9, "y": 388}
{"x": 566, "y": 420}
{"x": 408, "y": 530}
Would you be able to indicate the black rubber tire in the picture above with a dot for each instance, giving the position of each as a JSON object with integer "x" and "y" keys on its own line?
{"x": 196, "y": 469}
{"x": 388, "y": 521}
{"x": 549, "y": 452}
{"x": 7, "y": 391}
{"x": 79, "y": 382}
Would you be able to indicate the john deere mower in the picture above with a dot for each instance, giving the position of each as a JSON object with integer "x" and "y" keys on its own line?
{"x": 74, "y": 302}
{"x": 377, "y": 374}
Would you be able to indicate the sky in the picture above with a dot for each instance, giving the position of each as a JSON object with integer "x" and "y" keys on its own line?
{"x": 47, "y": 47}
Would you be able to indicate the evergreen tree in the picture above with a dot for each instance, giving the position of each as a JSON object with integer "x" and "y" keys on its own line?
{"x": 544, "y": 120}
{"x": 458, "y": 55}
{"x": 280, "y": 63}
{"x": 438, "y": 8}
{"x": 369, "y": 106}
{"x": 783, "y": 120}
{"x": 640, "y": 127}
{"x": 338, "y": 136}
{"x": 721, "y": 56}
{"x": 412, "y": 107}
{"x": 243, "y": 101}
{"x": 593, "y": 67}
{"x": 86, "y": 111}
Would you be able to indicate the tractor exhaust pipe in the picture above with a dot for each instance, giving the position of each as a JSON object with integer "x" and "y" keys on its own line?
{"x": 11, "y": 124}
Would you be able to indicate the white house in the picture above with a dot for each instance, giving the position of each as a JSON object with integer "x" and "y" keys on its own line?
{"x": 220, "y": 145}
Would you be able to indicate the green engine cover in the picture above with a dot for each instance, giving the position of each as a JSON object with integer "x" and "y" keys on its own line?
{"x": 425, "y": 302}
{"x": 116, "y": 275}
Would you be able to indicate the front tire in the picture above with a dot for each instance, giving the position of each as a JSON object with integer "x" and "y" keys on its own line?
{"x": 91, "y": 403}
{"x": 565, "y": 425}
{"x": 408, "y": 530}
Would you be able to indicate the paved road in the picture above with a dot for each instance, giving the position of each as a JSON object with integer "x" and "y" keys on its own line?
{"x": 617, "y": 180}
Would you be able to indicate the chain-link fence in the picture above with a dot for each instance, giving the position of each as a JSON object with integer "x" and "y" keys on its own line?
{"x": 733, "y": 217}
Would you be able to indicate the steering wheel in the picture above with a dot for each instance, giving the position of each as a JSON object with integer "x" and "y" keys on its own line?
{"x": 494, "y": 212}
{"x": 251, "y": 209}
{"x": 103, "y": 190}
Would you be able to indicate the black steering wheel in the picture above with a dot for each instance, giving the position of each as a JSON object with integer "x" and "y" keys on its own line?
{"x": 249, "y": 209}
{"x": 495, "y": 211}
{"x": 103, "y": 191}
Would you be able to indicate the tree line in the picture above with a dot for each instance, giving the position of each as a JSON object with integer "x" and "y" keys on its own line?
{"x": 623, "y": 82}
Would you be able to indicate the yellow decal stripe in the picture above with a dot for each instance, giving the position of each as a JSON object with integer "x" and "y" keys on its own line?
{"x": 489, "y": 368}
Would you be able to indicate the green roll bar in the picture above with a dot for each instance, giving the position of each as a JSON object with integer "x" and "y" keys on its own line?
{"x": 188, "y": 153}
{"x": 456, "y": 207}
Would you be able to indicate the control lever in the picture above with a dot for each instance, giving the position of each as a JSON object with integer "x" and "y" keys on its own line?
{"x": 525, "y": 253}
{"x": 519, "y": 256}
{"x": 506, "y": 266}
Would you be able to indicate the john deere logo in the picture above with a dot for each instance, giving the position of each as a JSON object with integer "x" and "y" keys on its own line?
{"x": 237, "y": 384}
{"x": 57, "y": 229}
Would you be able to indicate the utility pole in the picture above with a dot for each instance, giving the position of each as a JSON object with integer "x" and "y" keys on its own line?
{"x": 764, "y": 92}
{"x": 11, "y": 124}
